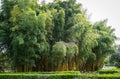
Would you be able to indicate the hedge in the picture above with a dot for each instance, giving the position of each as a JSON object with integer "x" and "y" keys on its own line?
{"x": 58, "y": 75}
{"x": 109, "y": 71}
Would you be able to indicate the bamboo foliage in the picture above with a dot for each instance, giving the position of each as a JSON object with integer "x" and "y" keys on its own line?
{"x": 54, "y": 36}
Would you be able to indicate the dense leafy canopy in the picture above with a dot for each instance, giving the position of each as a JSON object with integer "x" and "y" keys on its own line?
{"x": 54, "y": 36}
{"x": 115, "y": 58}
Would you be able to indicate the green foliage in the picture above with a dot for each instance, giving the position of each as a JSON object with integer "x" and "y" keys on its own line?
{"x": 5, "y": 62}
{"x": 31, "y": 34}
{"x": 49, "y": 26}
{"x": 115, "y": 57}
{"x": 2, "y": 61}
{"x": 27, "y": 34}
{"x": 72, "y": 50}
{"x": 58, "y": 75}
{"x": 59, "y": 48}
{"x": 105, "y": 42}
{"x": 6, "y": 8}
{"x": 58, "y": 53}
{"x": 58, "y": 30}
{"x": 109, "y": 71}
{"x": 91, "y": 58}
{"x": 106, "y": 39}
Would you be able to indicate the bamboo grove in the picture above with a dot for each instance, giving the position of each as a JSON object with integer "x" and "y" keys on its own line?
{"x": 53, "y": 37}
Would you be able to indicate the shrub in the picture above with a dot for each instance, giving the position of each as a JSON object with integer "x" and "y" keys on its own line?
{"x": 58, "y": 75}
{"x": 109, "y": 71}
